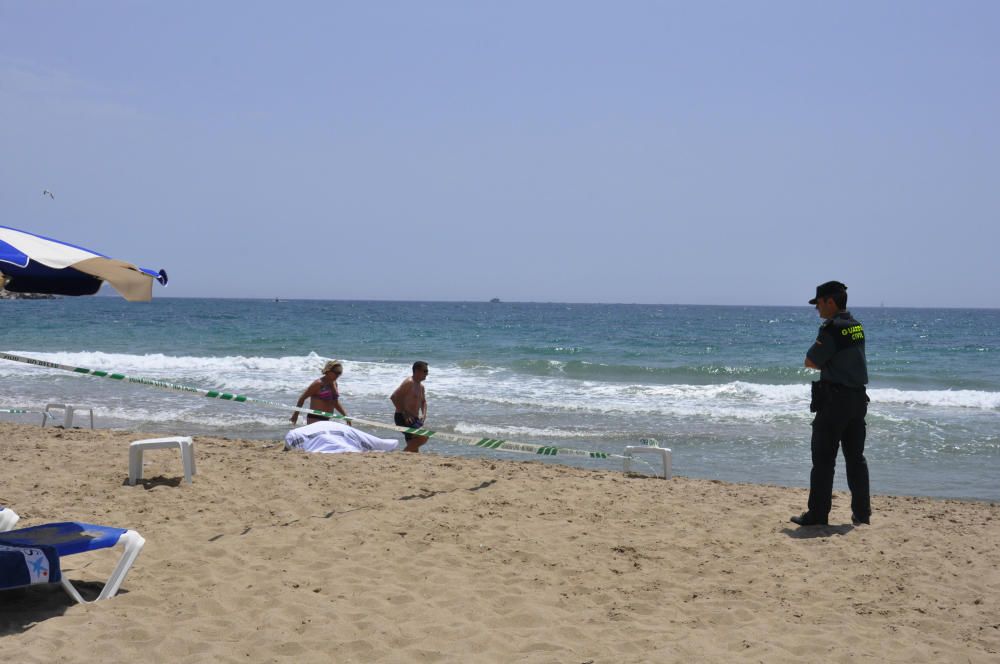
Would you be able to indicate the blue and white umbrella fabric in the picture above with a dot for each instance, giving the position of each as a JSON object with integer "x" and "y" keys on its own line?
{"x": 32, "y": 263}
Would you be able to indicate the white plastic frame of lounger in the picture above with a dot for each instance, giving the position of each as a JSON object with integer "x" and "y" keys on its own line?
{"x": 132, "y": 543}
{"x": 8, "y": 519}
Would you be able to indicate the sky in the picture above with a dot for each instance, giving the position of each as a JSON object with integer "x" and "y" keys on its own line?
{"x": 653, "y": 152}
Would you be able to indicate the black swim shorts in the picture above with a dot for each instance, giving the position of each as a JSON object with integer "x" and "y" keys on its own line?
{"x": 403, "y": 420}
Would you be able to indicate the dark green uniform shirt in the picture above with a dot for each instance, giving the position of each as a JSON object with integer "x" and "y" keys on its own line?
{"x": 839, "y": 351}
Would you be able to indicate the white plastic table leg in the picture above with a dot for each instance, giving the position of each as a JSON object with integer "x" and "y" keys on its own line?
{"x": 187, "y": 459}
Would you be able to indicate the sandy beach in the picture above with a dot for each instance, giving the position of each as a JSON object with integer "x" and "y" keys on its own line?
{"x": 282, "y": 556}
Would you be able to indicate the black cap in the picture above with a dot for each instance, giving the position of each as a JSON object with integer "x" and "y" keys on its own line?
{"x": 828, "y": 289}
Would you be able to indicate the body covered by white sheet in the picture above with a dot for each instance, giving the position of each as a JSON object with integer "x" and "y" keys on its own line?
{"x": 334, "y": 438}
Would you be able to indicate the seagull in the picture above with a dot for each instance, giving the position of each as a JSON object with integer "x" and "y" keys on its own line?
{"x": 46, "y": 192}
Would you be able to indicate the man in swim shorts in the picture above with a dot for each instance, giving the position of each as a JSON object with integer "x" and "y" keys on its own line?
{"x": 410, "y": 402}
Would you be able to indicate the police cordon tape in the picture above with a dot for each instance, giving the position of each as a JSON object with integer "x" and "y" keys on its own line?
{"x": 487, "y": 443}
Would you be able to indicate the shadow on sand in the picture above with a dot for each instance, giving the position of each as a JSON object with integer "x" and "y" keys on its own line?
{"x": 812, "y": 532}
{"x": 153, "y": 482}
{"x": 23, "y": 608}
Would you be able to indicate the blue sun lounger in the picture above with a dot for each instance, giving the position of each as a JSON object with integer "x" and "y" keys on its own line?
{"x": 32, "y": 555}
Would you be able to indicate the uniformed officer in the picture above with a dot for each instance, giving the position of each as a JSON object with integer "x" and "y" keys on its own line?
{"x": 840, "y": 403}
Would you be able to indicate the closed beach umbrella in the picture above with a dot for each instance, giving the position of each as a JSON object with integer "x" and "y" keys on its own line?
{"x": 32, "y": 263}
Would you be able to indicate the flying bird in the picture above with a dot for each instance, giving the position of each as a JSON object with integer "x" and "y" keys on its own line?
{"x": 46, "y": 192}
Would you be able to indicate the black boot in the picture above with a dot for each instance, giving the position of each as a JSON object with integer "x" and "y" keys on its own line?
{"x": 807, "y": 519}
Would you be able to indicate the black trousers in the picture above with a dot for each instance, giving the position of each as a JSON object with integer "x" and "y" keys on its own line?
{"x": 840, "y": 421}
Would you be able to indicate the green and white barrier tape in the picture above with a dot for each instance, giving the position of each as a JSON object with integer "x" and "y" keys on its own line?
{"x": 488, "y": 443}
{"x": 18, "y": 411}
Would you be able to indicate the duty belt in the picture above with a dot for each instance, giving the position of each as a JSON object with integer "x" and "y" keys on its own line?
{"x": 841, "y": 386}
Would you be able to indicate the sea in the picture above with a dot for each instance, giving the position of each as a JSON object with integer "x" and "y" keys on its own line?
{"x": 723, "y": 387}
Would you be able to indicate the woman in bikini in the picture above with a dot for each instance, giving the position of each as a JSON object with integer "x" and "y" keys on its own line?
{"x": 322, "y": 394}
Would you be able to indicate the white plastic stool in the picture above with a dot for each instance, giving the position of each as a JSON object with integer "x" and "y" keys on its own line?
{"x": 182, "y": 443}
{"x": 67, "y": 413}
{"x": 665, "y": 456}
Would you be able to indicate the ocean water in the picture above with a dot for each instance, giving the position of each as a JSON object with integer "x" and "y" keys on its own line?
{"x": 723, "y": 387}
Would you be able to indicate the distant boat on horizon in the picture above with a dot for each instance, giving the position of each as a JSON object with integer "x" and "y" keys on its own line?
{"x": 495, "y": 300}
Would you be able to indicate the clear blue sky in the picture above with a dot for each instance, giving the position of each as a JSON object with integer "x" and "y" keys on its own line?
{"x": 662, "y": 152}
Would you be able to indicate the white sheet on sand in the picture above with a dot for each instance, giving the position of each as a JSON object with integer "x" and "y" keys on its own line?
{"x": 334, "y": 438}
